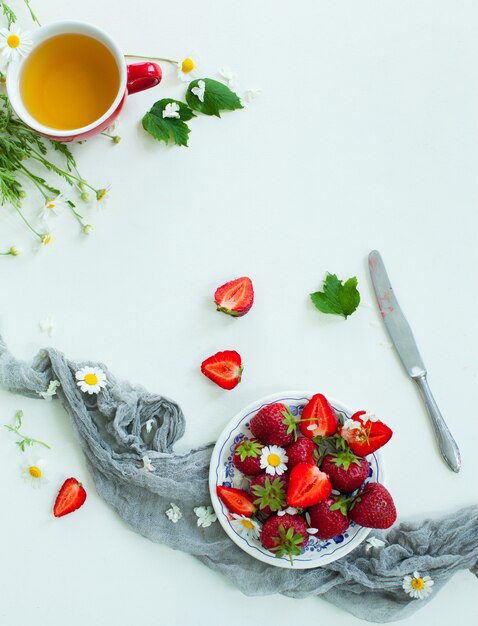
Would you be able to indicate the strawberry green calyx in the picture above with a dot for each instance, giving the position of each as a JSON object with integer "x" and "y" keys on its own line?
{"x": 272, "y": 495}
{"x": 291, "y": 422}
{"x": 342, "y": 504}
{"x": 289, "y": 543}
{"x": 249, "y": 449}
{"x": 345, "y": 458}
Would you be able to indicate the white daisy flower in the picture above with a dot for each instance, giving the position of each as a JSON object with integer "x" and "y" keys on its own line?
{"x": 102, "y": 196}
{"x": 91, "y": 379}
{"x": 45, "y": 240}
{"x": 199, "y": 90}
{"x": 33, "y": 471}
{"x": 245, "y": 526}
{"x": 205, "y": 515}
{"x": 418, "y": 587}
{"x": 171, "y": 110}
{"x": 374, "y": 542}
{"x": 174, "y": 513}
{"x": 14, "y": 44}
{"x": 53, "y": 206}
{"x": 252, "y": 94}
{"x": 187, "y": 68}
{"x": 47, "y": 326}
{"x": 147, "y": 465}
{"x": 273, "y": 460}
{"x": 228, "y": 76}
{"x": 51, "y": 391}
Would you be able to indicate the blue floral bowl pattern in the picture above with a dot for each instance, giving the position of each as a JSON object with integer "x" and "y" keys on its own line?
{"x": 223, "y": 472}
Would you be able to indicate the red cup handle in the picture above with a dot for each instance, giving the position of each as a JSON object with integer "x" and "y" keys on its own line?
{"x": 141, "y": 76}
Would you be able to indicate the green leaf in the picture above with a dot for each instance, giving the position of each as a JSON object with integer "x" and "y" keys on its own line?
{"x": 168, "y": 129}
{"x": 337, "y": 298}
{"x": 217, "y": 97}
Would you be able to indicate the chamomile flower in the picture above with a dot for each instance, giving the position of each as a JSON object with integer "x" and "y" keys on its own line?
{"x": 45, "y": 240}
{"x": 53, "y": 206}
{"x": 273, "y": 460}
{"x": 245, "y": 526}
{"x": 14, "y": 44}
{"x": 418, "y": 587}
{"x": 171, "y": 110}
{"x": 199, "y": 90}
{"x": 33, "y": 471}
{"x": 205, "y": 515}
{"x": 187, "y": 68}
{"x": 351, "y": 429}
{"x": 102, "y": 196}
{"x": 91, "y": 379}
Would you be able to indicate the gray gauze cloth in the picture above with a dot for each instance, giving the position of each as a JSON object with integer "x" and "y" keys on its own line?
{"x": 114, "y": 436}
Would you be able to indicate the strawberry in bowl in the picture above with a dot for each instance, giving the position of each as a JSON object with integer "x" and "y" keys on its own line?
{"x": 299, "y": 509}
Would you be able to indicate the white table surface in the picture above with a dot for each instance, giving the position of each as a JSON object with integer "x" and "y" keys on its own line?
{"x": 366, "y": 136}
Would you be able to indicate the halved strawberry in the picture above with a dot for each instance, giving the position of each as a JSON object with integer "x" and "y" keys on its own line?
{"x": 235, "y": 297}
{"x": 237, "y": 500}
{"x": 318, "y": 418}
{"x": 224, "y": 368}
{"x": 364, "y": 435}
{"x": 307, "y": 486}
{"x": 71, "y": 496}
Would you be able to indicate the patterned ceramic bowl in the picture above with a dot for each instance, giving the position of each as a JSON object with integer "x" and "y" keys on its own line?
{"x": 222, "y": 471}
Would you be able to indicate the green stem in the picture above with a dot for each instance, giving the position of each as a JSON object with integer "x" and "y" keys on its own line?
{"x": 137, "y": 56}
{"x": 28, "y": 440}
{"x": 33, "y": 16}
{"x": 34, "y": 181}
{"x": 57, "y": 169}
{"x": 28, "y": 223}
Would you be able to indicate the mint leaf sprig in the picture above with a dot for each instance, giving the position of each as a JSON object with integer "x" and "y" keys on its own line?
{"x": 24, "y": 440}
{"x": 337, "y": 297}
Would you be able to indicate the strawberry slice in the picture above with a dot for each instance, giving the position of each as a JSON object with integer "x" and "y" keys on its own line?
{"x": 237, "y": 500}
{"x": 363, "y": 435}
{"x": 71, "y": 496}
{"x": 235, "y": 297}
{"x": 223, "y": 368}
{"x": 318, "y": 418}
{"x": 307, "y": 486}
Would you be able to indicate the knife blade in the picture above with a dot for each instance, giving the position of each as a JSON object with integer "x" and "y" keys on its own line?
{"x": 404, "y": 342}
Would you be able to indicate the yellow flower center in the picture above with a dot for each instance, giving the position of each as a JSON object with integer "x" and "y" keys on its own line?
{"x": 91, "y": 379}
{"x": 34, "y": 471}
{"x": 46, "y": 240}
{"x": 13, "y": 41}
{"x": 187, "y": 65}
{"x": 418, "y": 583}
{"x": 51, "y": 205}
{"x": 273, "y": 459}
{"x": 247, "y": 523}
{"x": 101, "y": 194}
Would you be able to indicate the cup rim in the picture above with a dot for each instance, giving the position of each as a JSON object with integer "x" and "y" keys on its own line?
{"x": 43, "y": 34}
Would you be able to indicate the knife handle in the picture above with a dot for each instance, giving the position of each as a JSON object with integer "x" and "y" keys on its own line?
{"x": 448, "y": 448}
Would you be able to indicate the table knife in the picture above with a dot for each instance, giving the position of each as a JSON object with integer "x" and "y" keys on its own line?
{"x": 402, "y": 338}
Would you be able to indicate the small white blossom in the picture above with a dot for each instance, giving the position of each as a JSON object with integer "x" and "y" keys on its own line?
{"x": 199, "y": 90}
{"x": 33, "y": 471}
{"x": 47, "y": 326}
{"x": 51, "y": 391}
{"x": 374, "y": 542}
{"x": 418, "y": 587}
{"x": 312, "y": 427}
{"x": 205, "y": 515}
{"x": 274, "y": 460}
{"x": 307, "y": 518}
{"x": 171, "y": 110}
{"x": 228, "y": 76}
{"x": 174, "y": 513}
{"x": 147, "y": 465}
{"x": 312, "y": 531}
{"x": 368, "y": 417}
{"x": 252, "y": 94}
{"x": 53, "y": 206}
{"x": 149, "y": 425}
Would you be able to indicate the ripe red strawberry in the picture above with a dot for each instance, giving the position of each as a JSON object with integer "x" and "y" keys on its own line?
{"x": 247, "y": 457}
{"x": 285, "y": 535}
{"x": 223, "y": 368}
{"x": 318, "y": 412}
{"x": 274, "y": 424}
{"x": 373, "y": 507}
{"x": 347, "y": 472}
{"x": 307, "y": 486}
{"x": 235, "y": 297}
{"x": 237, "y": 500}
{"x": 270, "y": 492}
{"x": 71, "y": 496}
{"x": 369, "y": 437}
{"x": 329, "y": 517}
{"x": 301, "y": 451}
